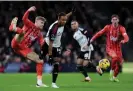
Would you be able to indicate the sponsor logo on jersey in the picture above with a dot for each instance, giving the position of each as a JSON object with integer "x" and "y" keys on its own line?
{"x": 113, "y": 38}
{"x": 59, "y": 34}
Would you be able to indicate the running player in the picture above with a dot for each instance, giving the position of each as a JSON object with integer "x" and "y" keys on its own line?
{"x": 53, "y": 43}
{"x": 82, "y": 37}
{"x": 22, "y": 41}
{"x": 115, "y": 36}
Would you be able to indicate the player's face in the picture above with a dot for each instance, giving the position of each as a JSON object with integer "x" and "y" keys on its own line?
{"x": 63, "y": 20}
{"x": 74, "y": 25}
{"x": 115, "y": 20}
{"x": 40, "y": 24}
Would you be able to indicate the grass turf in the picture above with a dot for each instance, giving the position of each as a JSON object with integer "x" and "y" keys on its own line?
{"x": 67, "y": 82}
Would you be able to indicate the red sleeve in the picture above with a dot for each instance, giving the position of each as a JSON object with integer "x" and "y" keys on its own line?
{"x": 124, "y": 34}
{"x": 19, "y": 30}
{"x": 26, "y": 21}
{"x": 41, "y": 40}
{"x": 101, "y": 32}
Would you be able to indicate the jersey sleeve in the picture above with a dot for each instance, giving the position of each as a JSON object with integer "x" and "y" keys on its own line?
{"x": 26, "y": 21}
{"x": 41, "y": 40}
{"x": 53, "y": 31}
{"x": 124, "y": 34}
{"x": 101, "y": 32}
{"x": 85, "y": 32}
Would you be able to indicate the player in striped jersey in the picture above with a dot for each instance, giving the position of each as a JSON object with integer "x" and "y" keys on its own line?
{"x": 84, "y": 58}
{"x": 115, "y": 36}
{"x": 24, "y": 38}
{"x": 53, "y": 43}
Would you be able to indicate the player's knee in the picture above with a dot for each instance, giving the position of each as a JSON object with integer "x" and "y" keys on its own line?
{"x": 79, "y": 67}
{"x": 56, "y": 67}
{"x": 38, "y": 60}
{"x": 79, "y": 61}
{"x": 86, "y": 63}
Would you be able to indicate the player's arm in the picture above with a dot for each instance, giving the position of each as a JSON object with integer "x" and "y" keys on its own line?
{"x": 86, "y": 33}
{"x": 124, "y": 34}
{"x": 52, "y": 35}
{"x": 25, "y": 19}
{"x": 70, "y": 13}
{"x": 98, "y": 34}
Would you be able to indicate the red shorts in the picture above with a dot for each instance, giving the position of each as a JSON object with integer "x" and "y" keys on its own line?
{"x": 115, "y": 54}
{"x": 20, "y": 49}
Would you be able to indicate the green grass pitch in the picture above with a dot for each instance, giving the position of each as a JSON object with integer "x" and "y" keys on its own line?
{"x": 67, "y": 82}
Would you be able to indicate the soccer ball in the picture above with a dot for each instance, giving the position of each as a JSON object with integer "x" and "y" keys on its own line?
{"x": 104, "y": 64}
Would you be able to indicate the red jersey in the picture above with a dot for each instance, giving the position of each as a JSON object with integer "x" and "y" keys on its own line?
{"x": 113, "y": 37}
{"x": 32, "y": 33}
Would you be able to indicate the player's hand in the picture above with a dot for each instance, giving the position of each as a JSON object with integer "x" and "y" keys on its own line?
{"x": 33, "y": 8}
{"x": 122, "y": 42}
{"x": 73, "y": 9}
{"x": 50, "y": 61}
{"x": 91, "y": 41}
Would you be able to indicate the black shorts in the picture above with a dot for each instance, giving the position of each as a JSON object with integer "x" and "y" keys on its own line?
{"x": 85, "y": 55}
{"x": 56, "y": 52}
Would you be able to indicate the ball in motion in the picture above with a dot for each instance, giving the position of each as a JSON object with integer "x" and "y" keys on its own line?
{"x": 104, "y": 64}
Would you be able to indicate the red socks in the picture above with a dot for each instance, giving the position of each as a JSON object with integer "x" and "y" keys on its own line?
{"x": 115, "y": 66}
{"x": 39, "y": 70}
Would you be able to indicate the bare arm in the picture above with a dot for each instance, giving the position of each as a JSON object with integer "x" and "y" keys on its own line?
{"x": 69, "y": 14}
{"x": 50, "y": 47}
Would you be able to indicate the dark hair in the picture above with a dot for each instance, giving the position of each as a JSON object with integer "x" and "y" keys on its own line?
{"x": 74, "y": 21}
{"x": 40, "y": 18}
{"x": 61, "y": 14}
{"x": 114, "y": 15}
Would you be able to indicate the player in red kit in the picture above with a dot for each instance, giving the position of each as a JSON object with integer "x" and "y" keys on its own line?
{"x": 24, "y": 38}
{"x": 115, "y": 36}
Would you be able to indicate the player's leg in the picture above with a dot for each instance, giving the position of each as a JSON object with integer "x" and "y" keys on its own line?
{"x": 39, "y": 67}
{"x": 85, "y": 65}
{"x": 28, "y": 53}
{"x": 80, "y": 66}
{"x": 118, "y": 65}
{"x": 55, "y": 72}
{"x": 112, "y": 55}
{"x": 13, "y": 26}
{"x": 56, "y": 54}
{"x": 94, "y": 64}
{"x": 113, "y": 66}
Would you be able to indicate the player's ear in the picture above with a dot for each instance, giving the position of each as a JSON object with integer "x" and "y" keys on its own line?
{"x": 118, "y": 20}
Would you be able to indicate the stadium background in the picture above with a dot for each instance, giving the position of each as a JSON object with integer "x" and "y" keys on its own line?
{"x": 92, "y": 15}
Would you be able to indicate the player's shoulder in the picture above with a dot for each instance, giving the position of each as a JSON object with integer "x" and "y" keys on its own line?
{"x": 108, "y": 25}
{"x": 81, "y": 29}
{"x": 53, "y": 24}
{"x": 122, "y": 27}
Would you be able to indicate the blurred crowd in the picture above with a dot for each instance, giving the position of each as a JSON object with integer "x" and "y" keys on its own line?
{"x": 92, "y": 16}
